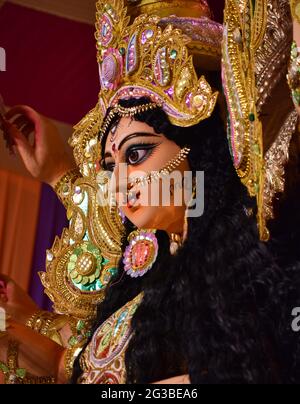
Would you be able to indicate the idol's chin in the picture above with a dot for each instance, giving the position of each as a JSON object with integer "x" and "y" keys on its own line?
{"x": 141, "y": 217}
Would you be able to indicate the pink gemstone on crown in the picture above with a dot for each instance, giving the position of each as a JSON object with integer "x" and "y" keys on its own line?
{"x": 170, "y": 92}
{"x": 131, "y": 59}
{"x": 146, "y": 35}
{"x": 106, "y": 30}
{"x": 188, "y": 100}
{"x": 111, "y": 69}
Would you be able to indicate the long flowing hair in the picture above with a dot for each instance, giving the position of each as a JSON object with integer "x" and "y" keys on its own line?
{"x": 219, "y": 309}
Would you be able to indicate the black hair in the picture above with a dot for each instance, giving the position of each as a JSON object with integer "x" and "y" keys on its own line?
{"x": 219, "y": 310}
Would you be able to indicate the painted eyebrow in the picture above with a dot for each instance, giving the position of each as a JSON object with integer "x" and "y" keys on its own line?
{"x": 129, "y": 137}
{"x": 136, "y": 134}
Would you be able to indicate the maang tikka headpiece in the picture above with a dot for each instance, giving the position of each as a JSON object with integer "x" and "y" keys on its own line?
{"x": 144, "y": 60}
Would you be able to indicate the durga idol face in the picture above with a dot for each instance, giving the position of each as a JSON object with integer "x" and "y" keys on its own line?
{"x": 136, "y": 146}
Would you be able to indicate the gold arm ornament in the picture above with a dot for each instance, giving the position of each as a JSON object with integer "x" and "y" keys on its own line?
{"x": 70, "y": 356}
{"x": 50, "y": 324}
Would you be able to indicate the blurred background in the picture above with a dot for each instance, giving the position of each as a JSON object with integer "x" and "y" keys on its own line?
{"x": 50, "y": 66}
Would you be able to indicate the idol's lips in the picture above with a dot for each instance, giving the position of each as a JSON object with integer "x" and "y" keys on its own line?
{"x": 133, "y": 199}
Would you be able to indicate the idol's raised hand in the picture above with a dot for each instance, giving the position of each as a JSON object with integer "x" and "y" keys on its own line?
{"x": 45, "y": 157}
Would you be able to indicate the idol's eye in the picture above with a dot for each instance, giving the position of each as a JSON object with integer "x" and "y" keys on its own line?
{"x": 138, "y": 153}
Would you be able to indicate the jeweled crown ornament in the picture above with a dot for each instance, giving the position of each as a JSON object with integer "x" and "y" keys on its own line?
{"x": 145, "y": 60}
{"x": 194, "y": 18}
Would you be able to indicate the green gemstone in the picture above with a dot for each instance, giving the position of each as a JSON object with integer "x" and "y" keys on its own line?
{"x": 80, "y": 325}
{"x": 73, "y": 258}
{"x": 71, "y": 266}
{"x": 251, "y": 117}
{"x": 73, "y": 341}
{"x": 66, "y": 189}
{"x": 106, "y": 339}
{"x": 113, "y": 271}
{"x": 78, "y": 279}
{"x": 99, "y": 262}
{"x": 294, "y": 54}
{"x": 296, "y": 97}
{"x": 21, "y": 373}
{"x": 294, "y": 50}
{"x": 85, "y": 280}
{"x": 122, "y": 51}
{"x": 77, "y": 251}
{"x": 74, "y": 274}
{"x": 94, "y": 250}
{"x": 3, "y": 368}
{"x": 92, "y": 279}
{"x": 173, "y": 54}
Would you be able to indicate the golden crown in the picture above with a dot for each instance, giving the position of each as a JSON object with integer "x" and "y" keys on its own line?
{"x": 145, "y": 60}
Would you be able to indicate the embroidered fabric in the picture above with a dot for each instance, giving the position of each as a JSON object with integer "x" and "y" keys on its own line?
{"x": 103, "y": 362}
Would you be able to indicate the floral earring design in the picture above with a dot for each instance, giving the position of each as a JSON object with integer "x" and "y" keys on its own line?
{"x": 141, "y": 253}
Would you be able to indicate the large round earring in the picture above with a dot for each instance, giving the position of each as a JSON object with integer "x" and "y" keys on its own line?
{"x": 141, "y": 253}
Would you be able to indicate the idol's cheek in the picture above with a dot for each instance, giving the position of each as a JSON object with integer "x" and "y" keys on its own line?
{"x": 148, "y": 217}
{"x": 134, "y": 213}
